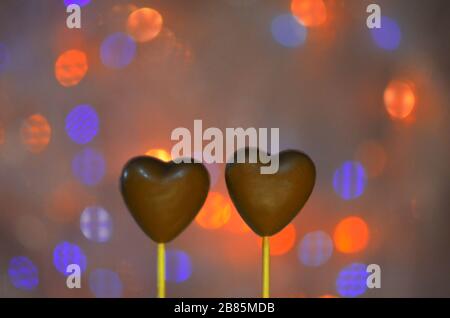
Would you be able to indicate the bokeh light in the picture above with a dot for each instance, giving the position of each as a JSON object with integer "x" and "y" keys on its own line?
{"x": 36, "y": 133}
{"x": 236, "y": 224}
{"x": 351, "y": 235}
{"x": 31, "y": 232}
{"x": 287, "y": 31}
{"x": 389, "y": 36}
{"x": 349, "y": 180}
{"x": 71, "y": 67}
{"x": 82, "y": 124}
{"x": 399, "y": 99}
{"x": 105, "y": 283}
{"x": 96, "y": 224}
{"x": 117, "y": 50}
{"x": 81, "y": 3}
{"x": 66, "y": 202}
{"x": 5, "y": 58}
{"x": 282, "y": 242}
{"x": 66, "y": 253}
{"x": 352, "y": 280}
{"x": 89, "y": 167}
{"x": 178, "y": 266}
{"x": 310, "y": 13}
{"x": 315, "y": 249}
{"x": 23, "y": 274}
{"x": 160, "y": 154}
{"x": 215, "y": 213}
{"x": 372, "y": 156}
{"x": 144, "y": 24}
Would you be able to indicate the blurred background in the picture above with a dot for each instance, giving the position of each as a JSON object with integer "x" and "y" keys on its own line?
{"x": 369, "y": 106}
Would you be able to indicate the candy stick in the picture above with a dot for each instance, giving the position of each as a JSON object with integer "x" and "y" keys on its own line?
{"x": 266, "y": 267}
{"x": 161, "y": 271}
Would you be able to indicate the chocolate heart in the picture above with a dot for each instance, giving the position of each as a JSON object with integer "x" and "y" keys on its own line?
{"x": 163, "y": 197}
{"x": 269, "y": 202}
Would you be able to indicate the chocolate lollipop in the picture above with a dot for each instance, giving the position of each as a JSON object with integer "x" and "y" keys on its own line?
{"x": 269, "y": 202}
{"x": 163, "y": 199}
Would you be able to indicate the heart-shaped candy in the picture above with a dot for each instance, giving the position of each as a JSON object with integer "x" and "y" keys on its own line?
{"x": 269, "y": 202}
{"x": 163, "y": 197}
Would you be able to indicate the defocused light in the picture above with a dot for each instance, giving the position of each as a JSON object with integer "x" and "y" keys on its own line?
{"x": 352, "y": 280}
{"x": 178, "y": 266}
{"x": 81, "y": 3}
{"x": 399, "y": 99}
{"x": 310, "y": 13}
{"x": 389, "y": 36}
{"x": 160, "y": 154}
{"x": 71, "y": 67}
{"x": 350, "y": 180}
{"x": 5, "y": 58}
{"x": 287, "y": 31}
{"x": 315, "y": 249}
{"x": 96, "y": 224}
{"x": 82, "y": 124}
{"x": 105, "y": 283}
{"x": 89, "y": 167}
{"x": 23, "y": 274}
{"x": 144, "y": 24}
{"x": 36, "y": 133}
{"x": 65, "y": 254}
{"x": 67, "y": 201}
{"x": 328, "y": 296}
{"x": 284, "y": 241}
{"x": 31, "y": 232}
{"x": 236, "y": 224}
{"x": 215, "y": 213}
{"x": 372, "y": 156}
{"x": 117, "y": 50}
{"x": 351, "y": 235}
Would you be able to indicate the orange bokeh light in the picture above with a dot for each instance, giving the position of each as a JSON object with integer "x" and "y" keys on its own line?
{"x": 351, "y": 235}
{"x": 67, "y": 202}
{"x": 236, "y": 224}
{"x": 399, "y": 99}
{"x": 215, "y": 213}
{"x": 71, "y": 67}
{"x": 161, "y": 154}
{"x": 36, "y": 133}
{"x": 310, "y": 13}
{"x": 372, "y": 156}
{"x": 283, "y": 242}
{"x": 144, "y": 24}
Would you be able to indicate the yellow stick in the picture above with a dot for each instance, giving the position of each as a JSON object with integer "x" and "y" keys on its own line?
{"x": 161, "y": 271}
{"x": 266, "y": 267}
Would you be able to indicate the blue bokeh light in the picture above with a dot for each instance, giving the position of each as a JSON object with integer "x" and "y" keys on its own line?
{"x": 105, "y": 283}
{"x": 23, "y": 274}
{"x": 117, "y": 50}
{"x": 82, "y": 124}
{"x": 81, "y": 3}
{"x": 178, "y": 266}
{"x": 89, "y": 167}
{"x": 96, "y": 224}
{"x": 389, "y": 36}
{"x": 66, "y": 253}
{"x": 350, "y": 180}
{"x": 288, "y": 31}
{"x": 315, "y": 249}
{"x": 5, "y": 58}
{"x": 352, "y": 280}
